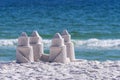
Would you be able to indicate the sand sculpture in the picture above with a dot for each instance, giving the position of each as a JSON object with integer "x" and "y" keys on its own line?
{"x": 69, "y": 45}
{"x": 37, "y": 45}
{"x": 24, "y": 52}
{"x": 58, "y": 50}
{"x": 30, "y": 49}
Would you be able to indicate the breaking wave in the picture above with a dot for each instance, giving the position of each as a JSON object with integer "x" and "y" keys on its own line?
{"x": 97, "y": 43}
{"x": 8, "y": 42}
{"x": 90, "y": 43}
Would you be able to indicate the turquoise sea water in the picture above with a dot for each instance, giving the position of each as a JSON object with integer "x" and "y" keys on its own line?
{"x": 94, "y": 25}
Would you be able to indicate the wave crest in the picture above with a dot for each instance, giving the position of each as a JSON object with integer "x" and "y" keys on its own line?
{"x": 96, "y": 43}
{"x": 8, "y": 42}
{"x": 90, "y": 43}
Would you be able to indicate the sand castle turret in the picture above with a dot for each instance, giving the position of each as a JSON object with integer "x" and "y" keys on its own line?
{"x": 24, "y": 52}
{"x": 58, "y": 50}
{"x": 69, "y": 45}
{"x": 36, "y": 43}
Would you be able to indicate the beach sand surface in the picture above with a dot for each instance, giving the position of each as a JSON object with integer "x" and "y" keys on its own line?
{"x": 80, "y": 70}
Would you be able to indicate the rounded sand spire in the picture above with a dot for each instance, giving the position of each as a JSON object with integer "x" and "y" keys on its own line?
{"x": 57, "y": 40}
{"x": 23, "y": 34}
{"x": 23, "y": 40}
{"x": 35, "y": 38}
{"x": 57, "y": 35}
{"x": 24, "y": 52}
{"x": 65, "y": 32}
{"x": 35, "y": 34}
{"x": 58, "y": 49}
{"x": 66, "y": 36}
{"x": 69, "y": 45}
{"x": 36, "y": 43}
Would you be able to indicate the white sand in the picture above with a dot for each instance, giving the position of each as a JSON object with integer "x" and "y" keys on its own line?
{"x": 82, "y": 70}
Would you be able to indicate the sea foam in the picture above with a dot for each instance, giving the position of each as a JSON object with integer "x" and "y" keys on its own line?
{"x": 8, "y": 42}
{"x": 97, "y": 43}
{"x": 90, "y": 43}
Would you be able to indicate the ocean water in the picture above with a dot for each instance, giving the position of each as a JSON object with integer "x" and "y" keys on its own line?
{"x": 93, "y": 24}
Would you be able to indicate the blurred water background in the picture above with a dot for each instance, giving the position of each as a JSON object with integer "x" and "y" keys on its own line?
{"x": 93, "y": 24}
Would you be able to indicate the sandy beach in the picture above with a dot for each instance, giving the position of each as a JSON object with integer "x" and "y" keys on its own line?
{"x": 81, "y": 70}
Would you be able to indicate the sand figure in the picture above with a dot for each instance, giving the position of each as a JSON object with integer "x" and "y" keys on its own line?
{"x": 24, "y": 52}
{"x": 36, "y": 43}
{"x": 69, "y": 45}
{"x": 58, "y": 50}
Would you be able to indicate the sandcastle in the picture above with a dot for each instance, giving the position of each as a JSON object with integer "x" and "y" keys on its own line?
{"x": 69, "y": 45}
{"x": 58, "y": 52}
{"x": 30, "y": 49}
{"x": 24, "y": 52}
{"x": 37, "y": 45}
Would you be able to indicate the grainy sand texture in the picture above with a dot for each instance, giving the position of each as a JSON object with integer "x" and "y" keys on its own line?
{"x": 81, "y": 70}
